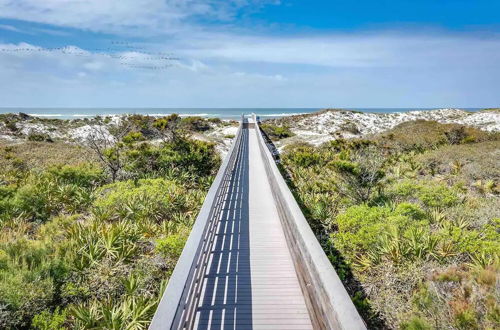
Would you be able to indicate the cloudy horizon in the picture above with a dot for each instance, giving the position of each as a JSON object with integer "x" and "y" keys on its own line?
{"x": 205, "y": 53}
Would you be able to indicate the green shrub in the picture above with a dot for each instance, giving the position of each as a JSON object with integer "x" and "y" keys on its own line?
{"x": 277, "y": 132}
{"x": 38, "y": 137}
{"x": 405, "y": 188}
{"x": 26, "y": 294}
{"x": 359, "y": 229}
{"x": 410, "y": 210}
{"x": 171, "y": 247}
{"x": 133, "y": 137}
{"x": 430, "y": 194}
{"x": 196, "y": 124}
{"x": 196, "y": 159}
{"x": 34, "y": 200}
{"x": 50, "y": 321}
{"x": 82, "y": 175}
{"x": 43, "y": 196}
{"x": 146, "y": 199}
{"x": 302, "y": 157}
{"x": 416, "y": 323}
{"x": 436, "y": 195}
{"x": 422, "y": 135}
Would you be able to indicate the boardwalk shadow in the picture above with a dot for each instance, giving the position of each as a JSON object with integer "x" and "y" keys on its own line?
{"x": 226, "y": 301}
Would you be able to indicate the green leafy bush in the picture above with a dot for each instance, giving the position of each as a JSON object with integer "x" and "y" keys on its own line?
{"x": 196, "y": 159}
{"x": 276, "y": 132}
{"x": 399, "y": 210}
{"x": 44, "y": 195}
{"x": 410, "y": 210}
{"x": 29, "y": 280}
{"x": 39, "y": 137}
{"x": 171, "y": 247}
{"x": 156, "y": 199}
{"x": 77, "y": 253}
{"x": 50, "y": 321}
{"x": 196, "y": 124}
{"x": 302, "y": 157}
{"x": 359, "y": 229}
{"x": 430, "y": 194}
{"x": 437, "y": 196}
{"x": 83, "y": 175}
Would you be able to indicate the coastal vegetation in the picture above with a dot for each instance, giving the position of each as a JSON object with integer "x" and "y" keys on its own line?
{"x": 277, "y": 132}
{"x": 90, "y": 232}
{"x": 94, "y": 214}
{"x": 25, "y": 127}
{"x": 410, "y": 218}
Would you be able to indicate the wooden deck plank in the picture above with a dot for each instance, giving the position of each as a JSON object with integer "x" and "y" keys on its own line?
{"x": 250, "y": 280}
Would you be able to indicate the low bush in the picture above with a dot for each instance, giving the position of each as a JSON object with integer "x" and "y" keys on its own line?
{"x": 171, "y": 247}
{"x": 430, "y": 135}
{"x": 412, "y": 218}
{"x": 190, "y": 159}
{"x": 41, "y": 195}
{"x": 146, "y": 199}
{"x": 77, "y": 251}
{"x": 39, "y": 137}
{"x": 196, "y": 124}
{"x": 276, "y": 132}
{"x": 50, "y": 320}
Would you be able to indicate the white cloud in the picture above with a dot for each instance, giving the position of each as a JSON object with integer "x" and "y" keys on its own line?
{"x": 349, "y": 50}
{"x": 9, "y": 28}
{"x": 229, "y": 70}
{"x": 241, "y": 68}
{"x": 123, "y": 16}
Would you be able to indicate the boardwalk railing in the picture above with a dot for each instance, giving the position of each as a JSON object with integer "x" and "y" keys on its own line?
{"x": 329, "y": 304}
{"x": 178, "y": 305}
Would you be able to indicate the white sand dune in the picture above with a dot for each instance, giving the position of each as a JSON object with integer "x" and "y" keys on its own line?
{"x": 327, "y": 125}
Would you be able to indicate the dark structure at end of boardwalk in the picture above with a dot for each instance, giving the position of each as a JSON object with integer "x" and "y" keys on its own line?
{"x": 251, "y": 260}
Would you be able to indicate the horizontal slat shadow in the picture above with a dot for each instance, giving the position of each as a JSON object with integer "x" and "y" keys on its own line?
{"x": 226, "y": 301}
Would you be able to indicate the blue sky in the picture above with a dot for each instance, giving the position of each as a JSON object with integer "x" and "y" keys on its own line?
{"x": 249, "y": 53}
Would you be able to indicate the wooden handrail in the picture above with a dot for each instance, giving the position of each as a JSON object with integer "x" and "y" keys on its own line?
{"x": 178, "y": 304}
{"x": 329, "y": 304}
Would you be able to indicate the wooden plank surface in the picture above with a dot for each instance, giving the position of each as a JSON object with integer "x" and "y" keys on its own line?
{"x": 250, "y": 282}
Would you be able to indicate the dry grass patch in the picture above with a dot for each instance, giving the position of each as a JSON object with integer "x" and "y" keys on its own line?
{"x": 45, "y": 154}
{"x": 423, "y": 134}
{"x": 475, "y": 164}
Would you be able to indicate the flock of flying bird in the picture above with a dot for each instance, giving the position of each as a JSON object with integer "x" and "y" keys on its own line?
{"x": 127, "y": 54}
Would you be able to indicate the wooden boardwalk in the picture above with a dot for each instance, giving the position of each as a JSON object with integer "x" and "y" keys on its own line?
{"x": 250, "y": 281}
{"x": 251, "y": 260}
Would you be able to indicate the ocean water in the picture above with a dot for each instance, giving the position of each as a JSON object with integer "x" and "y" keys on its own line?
{"x": 224, "y": 113}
